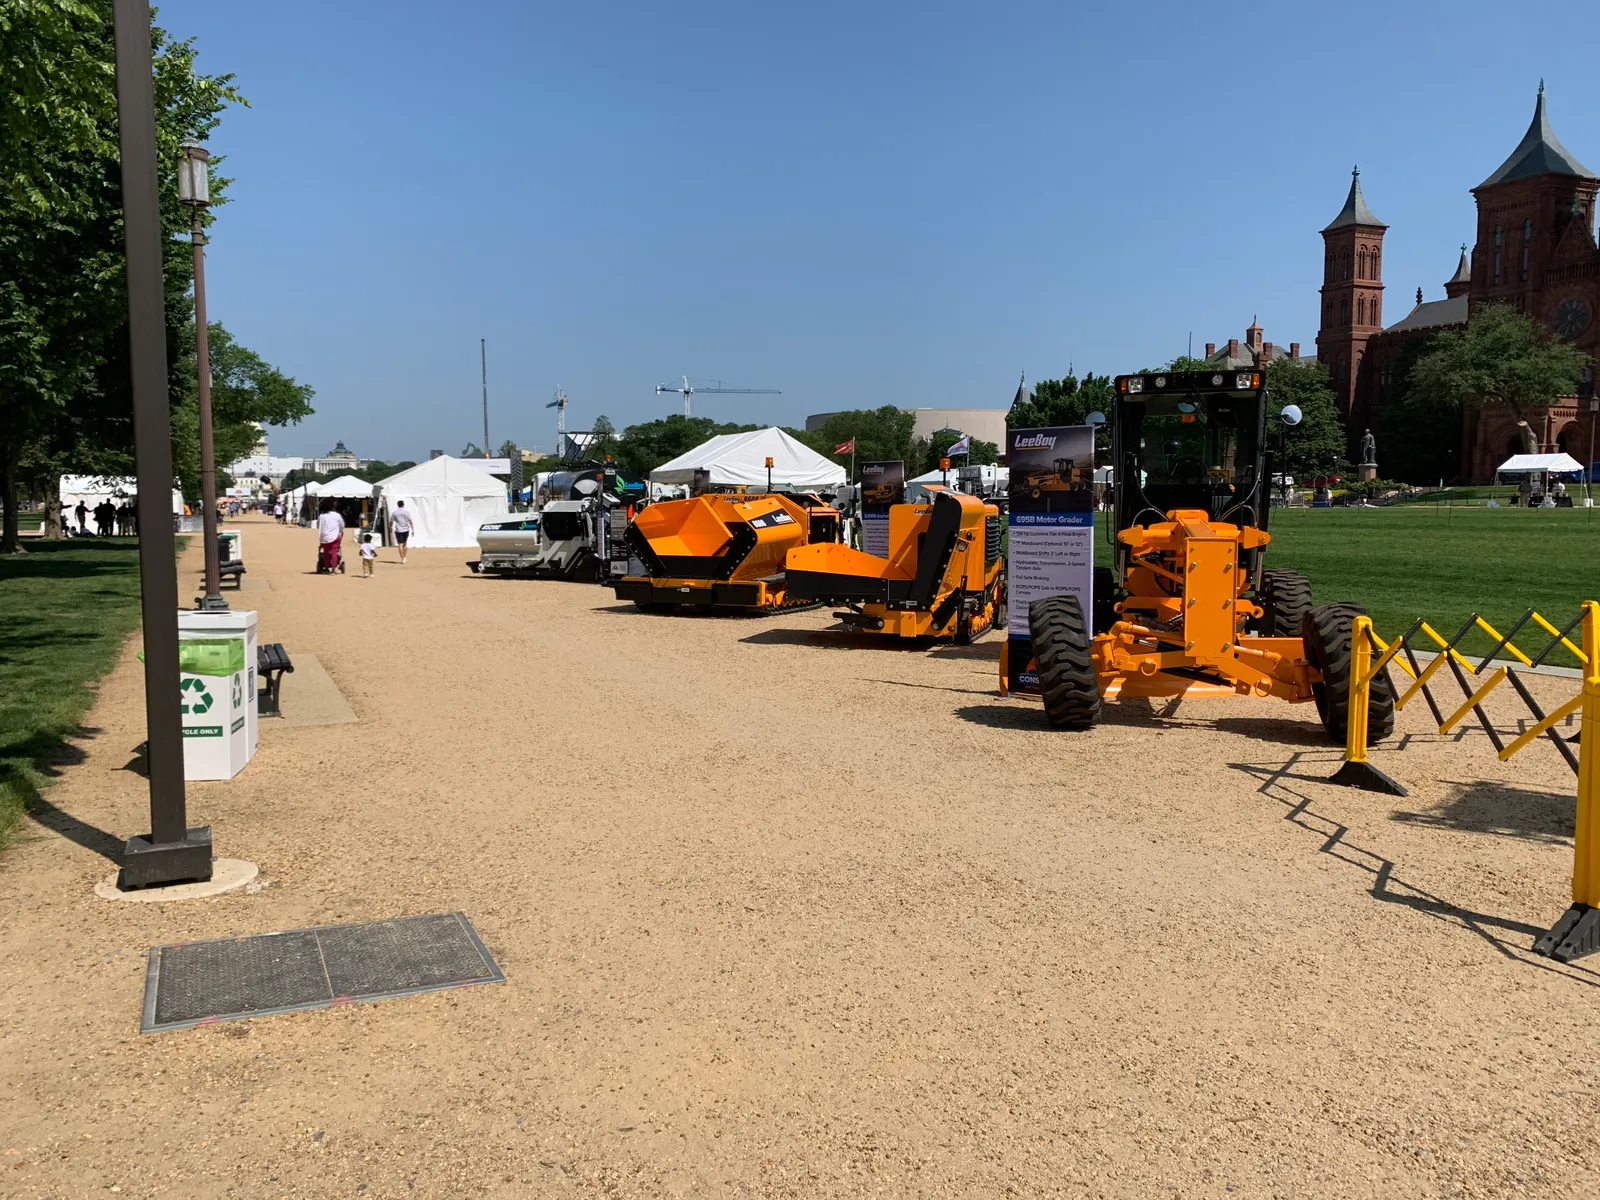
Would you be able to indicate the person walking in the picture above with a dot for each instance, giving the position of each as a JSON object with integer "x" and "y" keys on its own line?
{"x": 330, "y": 532}
{"x": 369, "y": 556}
{"x": 277, "y": 510}
{"x": 82, "y": 513}
{"x": 400, "y": 522}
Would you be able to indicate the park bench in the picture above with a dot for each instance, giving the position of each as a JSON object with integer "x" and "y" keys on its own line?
{"x": 272, "y": 663}
{"x": 229, "y": 568}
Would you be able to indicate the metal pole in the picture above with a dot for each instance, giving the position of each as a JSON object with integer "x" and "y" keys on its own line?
{"x": 483, "y": 354}
{"x": 212, "y": 601}
{"x": 1588, "y": 467}
{"x": 172, "y": 852}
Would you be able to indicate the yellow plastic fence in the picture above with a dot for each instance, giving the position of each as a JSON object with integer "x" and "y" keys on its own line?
{"x": 1577, "y": 933}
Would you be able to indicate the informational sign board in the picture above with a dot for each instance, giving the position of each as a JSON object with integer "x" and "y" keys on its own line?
{"x": 1050, "y": 543}
{"x": 883, "y": 485}
{"x": 217, "y": 677}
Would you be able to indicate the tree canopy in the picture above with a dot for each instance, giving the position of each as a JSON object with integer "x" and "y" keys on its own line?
{"x": 1317, "y": 445}
{"x": 1501, "y": 357}
{"x": 65, "y": 398}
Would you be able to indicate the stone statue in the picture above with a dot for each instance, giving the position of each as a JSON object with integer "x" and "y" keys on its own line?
{"x": 1369, "y": 447}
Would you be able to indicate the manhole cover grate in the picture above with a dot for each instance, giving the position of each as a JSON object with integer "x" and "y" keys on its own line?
{"x": 193, "y": 983}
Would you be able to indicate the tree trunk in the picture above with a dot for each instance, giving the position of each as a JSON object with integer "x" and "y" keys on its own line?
{"x": 10, "y": 541}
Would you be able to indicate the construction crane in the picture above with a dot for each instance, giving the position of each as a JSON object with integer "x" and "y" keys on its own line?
{"x": 683, "y": 389}
{"x": 560, "y": 405}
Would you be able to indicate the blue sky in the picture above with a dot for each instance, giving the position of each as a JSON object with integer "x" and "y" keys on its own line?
{"x": 859, "y": 204}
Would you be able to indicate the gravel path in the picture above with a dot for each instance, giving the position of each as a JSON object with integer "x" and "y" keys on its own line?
{"x": 784, "y": 913}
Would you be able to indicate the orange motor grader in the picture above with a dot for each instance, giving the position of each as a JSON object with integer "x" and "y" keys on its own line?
{"x": 1190, "y": 608}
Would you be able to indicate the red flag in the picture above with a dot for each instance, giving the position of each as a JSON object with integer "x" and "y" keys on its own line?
{"x": 846, "y": 447}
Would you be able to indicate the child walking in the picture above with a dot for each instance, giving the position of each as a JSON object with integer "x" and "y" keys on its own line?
{"x": 369, "y": 555}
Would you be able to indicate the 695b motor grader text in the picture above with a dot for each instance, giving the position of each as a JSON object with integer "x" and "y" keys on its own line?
{"x": 1189, "y": 608}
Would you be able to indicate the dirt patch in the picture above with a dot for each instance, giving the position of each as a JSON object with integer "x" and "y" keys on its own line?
{"x": 783, "y": 913}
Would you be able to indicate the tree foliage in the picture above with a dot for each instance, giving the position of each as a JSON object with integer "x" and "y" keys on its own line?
{"x": 1317, "y": 445}
{"x": 644, "y": 447}
{"x": 64, "y": 394}
{"x": 885, "y": 434}
{"x": 1502, "y": 357}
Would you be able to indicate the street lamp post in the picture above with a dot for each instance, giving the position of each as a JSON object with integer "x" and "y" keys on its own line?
{"x": 194, "y": 189}
{"x": 172, "y": 852}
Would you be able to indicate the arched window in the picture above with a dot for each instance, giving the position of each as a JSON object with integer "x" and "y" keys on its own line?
{"x": 1344, "y": 311}
{"x": 1372, "y": 266}
{"x": 1361, "y": 310}
{"x": 1372, "y": 310}
{"x": 1361, "y": 263}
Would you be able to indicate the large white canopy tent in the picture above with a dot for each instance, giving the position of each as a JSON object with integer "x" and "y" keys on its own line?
{"x": 1555, "y": 464}
{"x": 740, "y": 459}
{"x": 347, "y": 487}
{"x": 447, "y": 499}
{"x": 95, "y": 489}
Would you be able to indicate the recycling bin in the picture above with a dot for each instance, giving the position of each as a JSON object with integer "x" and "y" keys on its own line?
{"x": 217, "y": 675}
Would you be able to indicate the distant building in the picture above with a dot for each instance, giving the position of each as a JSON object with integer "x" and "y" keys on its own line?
{"x": 1251, "y": 352}
{"x": 1535, "y": 250}
{"x": 338, "y": 461}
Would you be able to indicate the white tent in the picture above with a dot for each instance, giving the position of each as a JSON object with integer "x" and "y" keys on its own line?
{"x": 735, "y": 459}
{"x": 347, "y": 487}
{"x": 447, "y": 500}
{"x": 1523, "y": 464}
{"x": 94, "y": 489}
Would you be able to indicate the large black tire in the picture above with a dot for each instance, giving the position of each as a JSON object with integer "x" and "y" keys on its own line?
{"x": 1285, "y": 598}
{"x": 1066, "y": 667}
{"x": 1105, "y": 597}
{"x": 1326, "y": 633}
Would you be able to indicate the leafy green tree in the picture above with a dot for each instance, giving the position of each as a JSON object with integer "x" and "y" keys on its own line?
{"x": 931, "y": 449}
{"x": 1502, "y": 358}
{"x": 1421, "y": 435}
{"x": 644, "y": 447}
{"x": 881, "y": 434}
{"x": 64, "y": 392}
{"x": 1316, "y": 446}
{"x": 1068, "y": 401}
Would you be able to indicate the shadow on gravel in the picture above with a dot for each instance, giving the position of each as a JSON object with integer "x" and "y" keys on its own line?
{"x": 1503, "y": 811}
{"x": 1495, "y": 930}
{"x": 1005, "y": 716}
{"x": 90, "y": 837}
{"x": 829, "y": 639}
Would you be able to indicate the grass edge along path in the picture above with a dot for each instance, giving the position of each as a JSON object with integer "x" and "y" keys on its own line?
{"x": 66, "y": 607}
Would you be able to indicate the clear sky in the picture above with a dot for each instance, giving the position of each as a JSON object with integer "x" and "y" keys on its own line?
{"x": 860, "y": 204}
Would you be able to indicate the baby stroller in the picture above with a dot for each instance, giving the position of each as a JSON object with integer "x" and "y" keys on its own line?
{"x": 330, "y": 557}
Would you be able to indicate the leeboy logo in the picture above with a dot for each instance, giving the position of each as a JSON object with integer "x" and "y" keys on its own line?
{"x": 1037, "y": 441}
{"x": 872, "y": 470}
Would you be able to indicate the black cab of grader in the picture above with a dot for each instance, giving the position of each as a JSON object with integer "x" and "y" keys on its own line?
{"x": 1189, "y": 608}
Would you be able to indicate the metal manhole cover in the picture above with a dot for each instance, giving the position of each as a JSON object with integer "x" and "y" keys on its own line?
{"x": 195, "y": 983}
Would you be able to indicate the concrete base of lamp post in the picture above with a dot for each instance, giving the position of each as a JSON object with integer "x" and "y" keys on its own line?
{"x": 149, "y": 863}
{"x": 227, "y": 875}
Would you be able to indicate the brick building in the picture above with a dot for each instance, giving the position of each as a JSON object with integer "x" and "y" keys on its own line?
{"x": 1535, "y": 249}
{"x": 1251, "y": 352}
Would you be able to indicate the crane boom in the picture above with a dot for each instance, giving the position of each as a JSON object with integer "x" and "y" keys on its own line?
{"x": 686, "y": 391}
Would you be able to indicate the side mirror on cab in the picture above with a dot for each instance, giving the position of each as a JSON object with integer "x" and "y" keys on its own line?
{"x": 1291, "y": 414}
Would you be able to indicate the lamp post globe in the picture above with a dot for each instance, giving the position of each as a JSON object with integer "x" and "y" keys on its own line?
{"x": 194, "y": 189}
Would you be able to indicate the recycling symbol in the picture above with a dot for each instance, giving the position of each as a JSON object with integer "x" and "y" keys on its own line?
{"x": 203, "y": 702}
{"x": 238, "y": 690}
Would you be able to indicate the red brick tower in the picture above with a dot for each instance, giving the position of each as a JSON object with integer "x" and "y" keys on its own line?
{"x": 1352, "y": 290}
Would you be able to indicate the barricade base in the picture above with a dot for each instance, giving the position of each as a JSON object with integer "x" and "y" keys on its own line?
{"x": 1367, "y": 777}
{"x": 1574, "y": 936}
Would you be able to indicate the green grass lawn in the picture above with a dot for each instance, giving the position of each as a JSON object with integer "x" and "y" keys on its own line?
{"x": 65, "y": 608}
{"x": 1442, "y": 564}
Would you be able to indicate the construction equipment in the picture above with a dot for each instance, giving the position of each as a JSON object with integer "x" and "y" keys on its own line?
{"x": 686, "y": 391}
{"x": 720, "y": 550}
{"x": 1189, "y": 607}
{"x": 944, "y": 577}
{"x": 568, "y": 538}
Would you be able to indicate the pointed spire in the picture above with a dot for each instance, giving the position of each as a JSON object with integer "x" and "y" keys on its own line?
{"x": 1355, "y": 210}
{"x": 1419, "y": 296}
{"x": 1539, "y": 152}
{"x": 1460, "y": 283}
